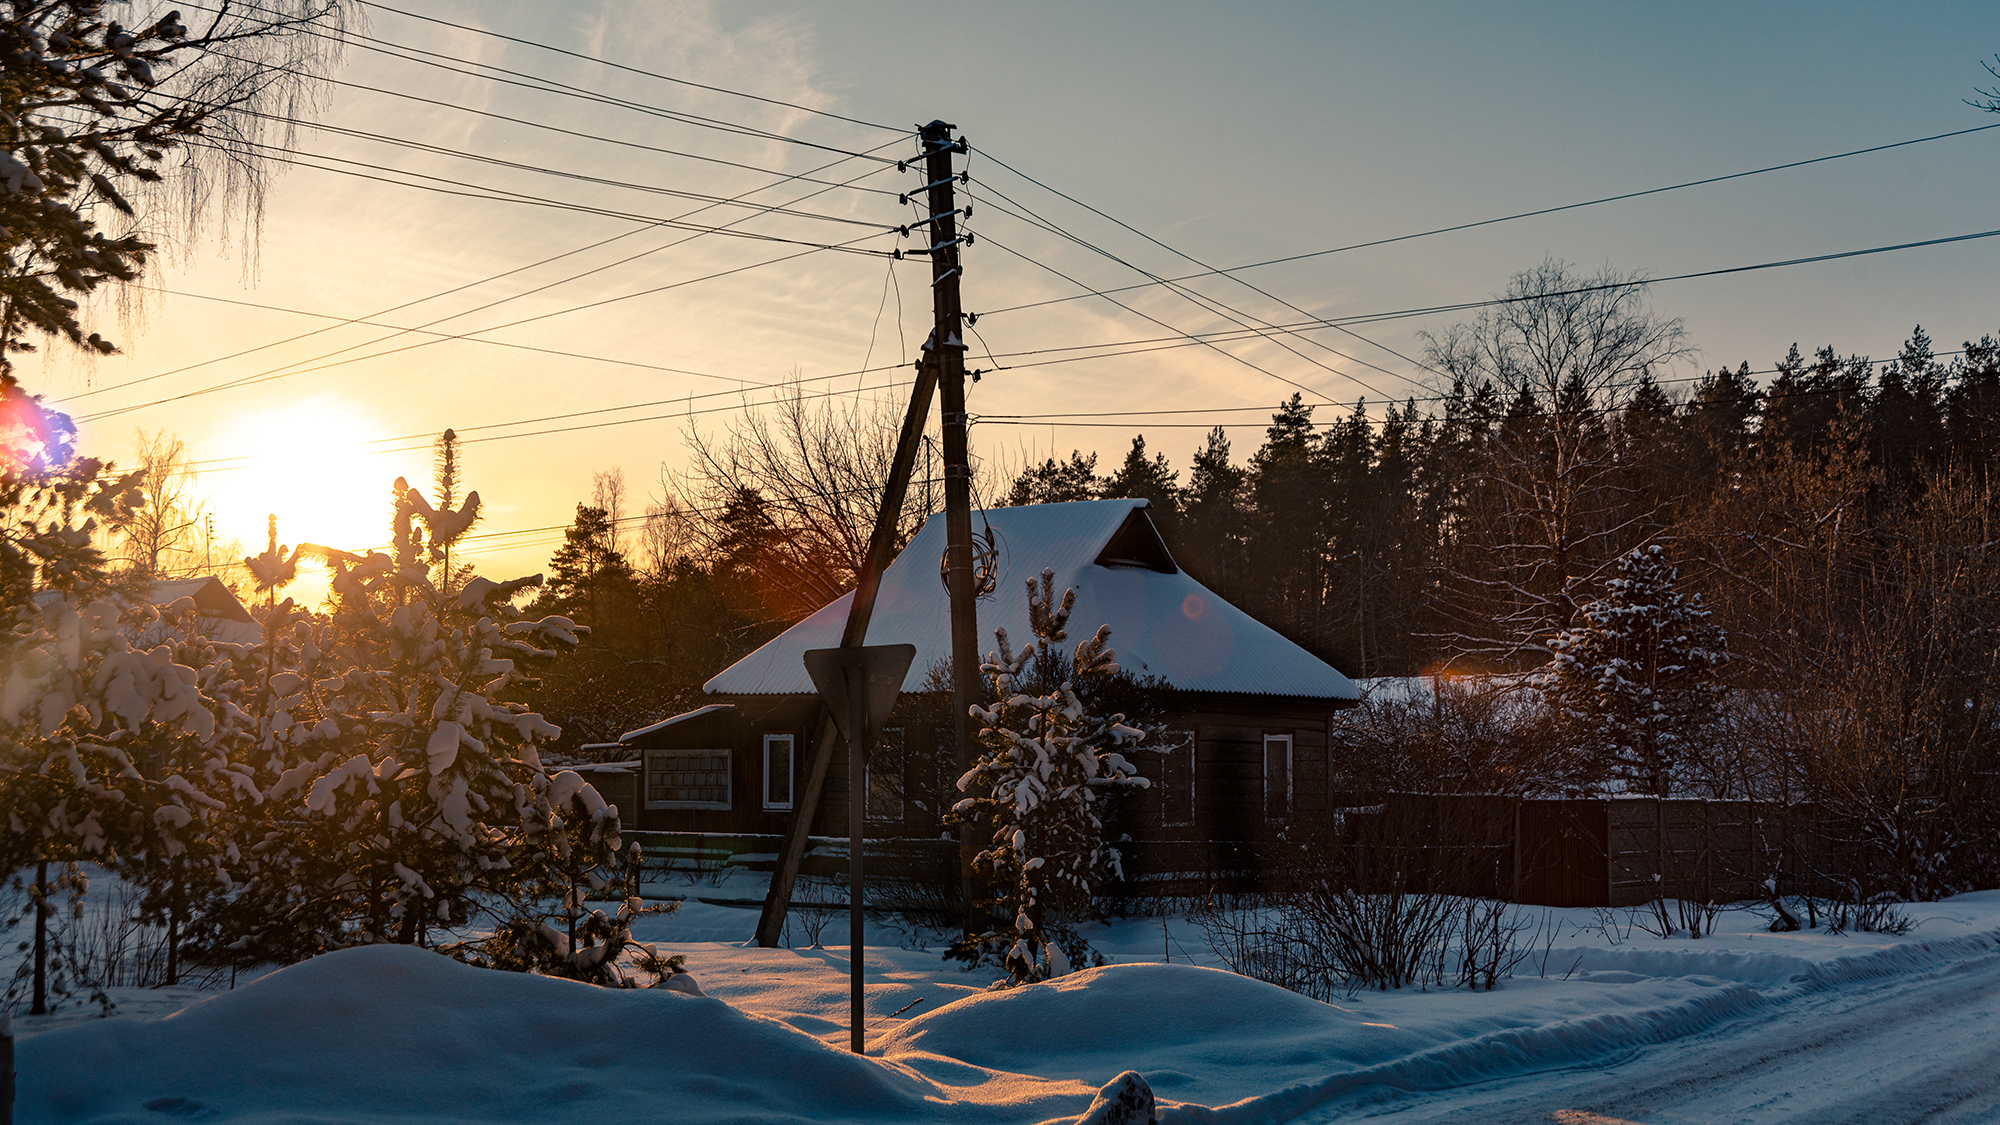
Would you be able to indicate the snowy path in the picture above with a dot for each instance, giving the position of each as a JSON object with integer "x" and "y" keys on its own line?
{"x": 1924, "y": 1047}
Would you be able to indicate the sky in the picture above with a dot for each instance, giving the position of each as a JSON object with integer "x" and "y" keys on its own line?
{"x": 1232, "y": 134}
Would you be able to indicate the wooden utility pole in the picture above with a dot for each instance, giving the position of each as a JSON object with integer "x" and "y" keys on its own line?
{"x": 940, "y": 365}
{"x": 948, "y": 339}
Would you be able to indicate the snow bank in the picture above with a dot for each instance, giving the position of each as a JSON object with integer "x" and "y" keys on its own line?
{"x": 401, "y": 1034}
{"x": 398, "y": 1035}
{"x": 1214, "y": 1038}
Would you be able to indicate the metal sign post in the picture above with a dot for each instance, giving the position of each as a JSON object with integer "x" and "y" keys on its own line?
{"x": 859, "y": 686}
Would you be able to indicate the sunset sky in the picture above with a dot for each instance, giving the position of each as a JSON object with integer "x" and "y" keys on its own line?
{"x": 1232, "y": 133}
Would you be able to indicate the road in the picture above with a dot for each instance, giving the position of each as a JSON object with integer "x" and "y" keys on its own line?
{"x": 1917, "y": 1048}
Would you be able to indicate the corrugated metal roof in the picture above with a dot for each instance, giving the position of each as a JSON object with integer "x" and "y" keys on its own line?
{"x": 1162, "y": 624}
{"x": 686, "y": 715}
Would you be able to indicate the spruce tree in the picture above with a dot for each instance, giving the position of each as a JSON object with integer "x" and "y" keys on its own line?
{"x": 1636, "y": 681}
{"x": 1036, "y": 790}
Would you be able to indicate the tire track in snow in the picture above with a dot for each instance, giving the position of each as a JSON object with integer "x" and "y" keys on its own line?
{"x": 1859, "y": 1047}
{"x": 1611, "y": 1040}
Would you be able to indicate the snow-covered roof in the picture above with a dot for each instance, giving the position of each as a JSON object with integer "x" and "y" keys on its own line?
{"x": 1163, "y": 623}
{"x": 223, "y": 617}
{"x": 210, "y": 596}
{"x": 680, "y": 718}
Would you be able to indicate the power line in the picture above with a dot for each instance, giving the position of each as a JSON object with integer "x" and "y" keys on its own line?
{"x": 281, "y": 372}
{"x": 1190, "y": 339}
{"x": 633, "y": 70}
{"x": 275, "y": 374}
{"x": 539, "y": 84}
{"x": 1193, "y": 338}
{"x": 1207, "y": 304}
{"x": 440, "y": 150}
{"x": 1753, "y": 396}
{"x": 1506, "y": 218}
{"x": 348, "y": 37}
{"x": 1214, "y": 270}
{"x": 482, "y": 281}
{"x": 556, "y": 128}
{"x": 446, "y": 186}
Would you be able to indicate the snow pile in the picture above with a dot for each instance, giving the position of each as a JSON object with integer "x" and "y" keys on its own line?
{"x": 394, "y": 1034}
{"x": 400, "y": 1034}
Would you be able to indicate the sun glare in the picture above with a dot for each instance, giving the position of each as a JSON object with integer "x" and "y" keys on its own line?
{"x": 312, "y": 465}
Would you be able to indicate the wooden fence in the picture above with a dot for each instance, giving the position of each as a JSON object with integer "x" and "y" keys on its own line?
{"x": 1549, "y": 852}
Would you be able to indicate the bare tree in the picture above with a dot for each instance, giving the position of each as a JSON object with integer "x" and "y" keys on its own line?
{"x": 816, "y": 467}
{"x": 166, "y": 535}
{"x": 1545, "y": 515}
{"x": 666, "y": 534}
{"x": 607, "y": 493}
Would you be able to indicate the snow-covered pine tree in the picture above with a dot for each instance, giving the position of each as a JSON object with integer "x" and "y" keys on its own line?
{"x": 275, "y": 568}
{"x": 1637, "y": 681}
{"x": 444, "y": 523}
{"x": 589, "y": 862}
{"x": 1036, "y": 790}
{"x": 78, "y": 699}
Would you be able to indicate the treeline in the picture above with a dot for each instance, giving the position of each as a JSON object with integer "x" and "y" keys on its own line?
{"x": 1460, "y": 533}
{"x": 1781, "y": 590}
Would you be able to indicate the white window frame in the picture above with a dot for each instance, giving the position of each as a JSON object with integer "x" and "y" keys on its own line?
{"x": 791, "y": 771}
{"x": 728, "y": 778}
{"x": 1290, "y": 772}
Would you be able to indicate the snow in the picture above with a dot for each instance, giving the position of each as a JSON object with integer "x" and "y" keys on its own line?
{"x": 393, "y": 1034}
{"x": 1165, "y": 625}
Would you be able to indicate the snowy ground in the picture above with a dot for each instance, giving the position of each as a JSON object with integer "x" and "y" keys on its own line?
{"x": 1745, "y": 1025}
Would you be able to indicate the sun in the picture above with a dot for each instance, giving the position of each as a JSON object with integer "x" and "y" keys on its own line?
{"x": 320, "y": 466}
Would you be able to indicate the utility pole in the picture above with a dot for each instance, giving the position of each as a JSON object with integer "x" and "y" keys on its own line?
{"x": 948, "y": 339}
{"x": 940, "y": 366}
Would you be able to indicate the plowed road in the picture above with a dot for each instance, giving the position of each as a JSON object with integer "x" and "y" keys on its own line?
{"x": 1918, "y": 1048}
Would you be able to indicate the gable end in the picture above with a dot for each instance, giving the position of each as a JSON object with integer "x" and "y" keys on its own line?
{"x": 1137, "y": 543}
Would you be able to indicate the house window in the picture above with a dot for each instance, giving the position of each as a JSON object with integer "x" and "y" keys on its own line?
{"x": 687, "y": 779}
{"x": 885, "y": 776}
{"x": 778, "y": 765}
{"x": 1277, "y": 776}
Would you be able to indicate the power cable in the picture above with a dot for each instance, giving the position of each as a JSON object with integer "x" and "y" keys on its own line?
{"x": 1510, "y": 218}
{"x": 1193, "y": 338}
{"x": 446, "y": 186}
{"x": 274, "y": 375}
{"x": 1214, "y": 270}
{"x": 472, "y": 284}
{"x": 393, "y": 49}
{"x": 1207, "y": 304}
{"x": 631, "y": 70}
{"x": 552, "y": 128}
{"x": 1753, "y": 396}
{"x": 498, "y": 162}
{"x": 1184, "y": 339}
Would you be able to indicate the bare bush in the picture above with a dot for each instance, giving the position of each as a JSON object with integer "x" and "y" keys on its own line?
{"x": 1876, "y": 914}
{"x": 1378, "y": 908}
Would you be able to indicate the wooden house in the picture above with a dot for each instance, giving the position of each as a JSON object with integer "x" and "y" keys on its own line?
{"x": 1247, "y": 712}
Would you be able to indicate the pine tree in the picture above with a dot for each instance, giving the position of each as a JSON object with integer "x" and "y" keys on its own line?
{"x": 1637, "y": 681}
{"x": 1057, "y": 482}
{"x": 1044, "y": 763}
{"x": 1152, "y": 480}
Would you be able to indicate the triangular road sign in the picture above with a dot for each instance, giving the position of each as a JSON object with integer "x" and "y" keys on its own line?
{"x": 878, "y": 670}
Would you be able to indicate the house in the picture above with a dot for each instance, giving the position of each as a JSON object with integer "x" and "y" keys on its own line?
{"x": 221, "y": 617}
{"x": 1247, "y": 712}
